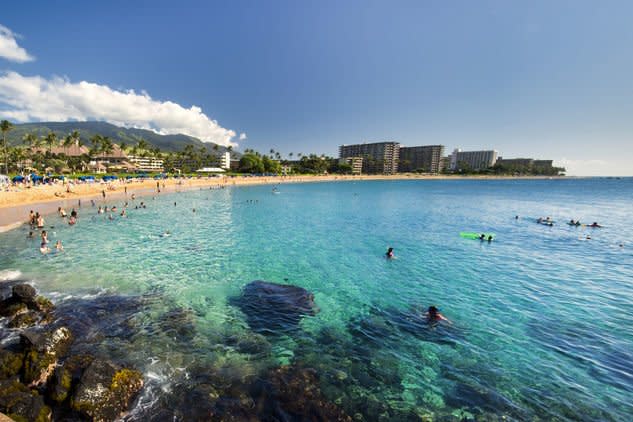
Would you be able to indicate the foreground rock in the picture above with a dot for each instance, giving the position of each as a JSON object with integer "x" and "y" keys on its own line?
{"x": 105, "y": 391}
{"x": 271, "y": 307}
{"x": 38, "y": 380}
{"x": 25, "y": 308}
{"x": 42, "y": 353}
{"x": 20, "y": 403}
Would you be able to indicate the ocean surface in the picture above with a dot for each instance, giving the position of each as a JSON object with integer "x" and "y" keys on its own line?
{"x": 542, "y": 317}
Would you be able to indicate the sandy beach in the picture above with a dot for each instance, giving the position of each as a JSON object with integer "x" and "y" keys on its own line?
{"x": 16, "y": 202}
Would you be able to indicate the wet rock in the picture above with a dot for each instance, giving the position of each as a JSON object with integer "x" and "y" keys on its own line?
{"x": 66, "y": 376}
{"x": 22, "y": 404}
{"x": 271, "y": 307}
{"x": 11, "y": 308}
{"x": 24, "y": 320}
{"x": 42, "y": 352}
{"x": 10, "y": 363}
{"x": 22, "y": 300}
{"x": 105, "y": 391}
{"x": 24, "y": 293}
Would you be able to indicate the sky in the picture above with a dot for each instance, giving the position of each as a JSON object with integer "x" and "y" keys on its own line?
{"x": 540, "y": 79}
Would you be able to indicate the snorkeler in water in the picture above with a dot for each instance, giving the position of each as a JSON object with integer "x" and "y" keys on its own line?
{"x": 433, "y": 315}
{"x": 389, "y": 254}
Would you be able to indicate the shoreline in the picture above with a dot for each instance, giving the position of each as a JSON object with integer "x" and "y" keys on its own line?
{"x": 15, "y": 205}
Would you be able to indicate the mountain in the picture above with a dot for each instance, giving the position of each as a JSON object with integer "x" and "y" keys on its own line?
{"x": 167, "y": 143}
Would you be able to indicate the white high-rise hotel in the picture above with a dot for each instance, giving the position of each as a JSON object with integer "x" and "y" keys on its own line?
{"x": 475, "y": 160}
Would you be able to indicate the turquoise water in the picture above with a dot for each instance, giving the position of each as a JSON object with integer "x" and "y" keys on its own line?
{"x": 542, "y": 318}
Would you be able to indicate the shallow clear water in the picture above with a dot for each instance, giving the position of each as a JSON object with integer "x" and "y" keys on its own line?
{"x": 542, "y": 318}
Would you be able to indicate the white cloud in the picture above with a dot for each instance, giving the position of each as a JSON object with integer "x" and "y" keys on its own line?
{"x": 33, "y": 98}
{"x": 9, "y": 48}
{"x": 242, "y": 136}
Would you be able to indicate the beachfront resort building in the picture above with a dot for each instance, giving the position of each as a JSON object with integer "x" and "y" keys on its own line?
{"x": 425, "y": 159}
{"x": 472, "y": 160}
{"x": 225, "y": 160}
{"x": 378, "y": 157}
{"x": 150, "y": 164}
{"x": 356, "y": 163}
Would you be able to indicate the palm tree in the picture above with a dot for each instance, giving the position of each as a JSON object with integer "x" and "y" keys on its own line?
{"x": 68, "y": 142}
{"x": 106, "y": 146}
{"x": 142, "y": 145}
{"x": 30, "y": 140}
{"x": 290, "y": 154}
{"x": 5, "y": 126}
{"x": 50, "y": 140}
{"x": 123, "y": 146}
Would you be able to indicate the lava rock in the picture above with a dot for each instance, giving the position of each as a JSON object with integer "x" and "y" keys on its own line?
{"x": 10, "y": 364}
{"x": 271, "y": 307}
{"x": 24, "y": 293}
{"x": 42, "y": 352}
{"x": 105, "y": 391}
{"x": 20, "y": 403}
{"x": 67, "y": 376}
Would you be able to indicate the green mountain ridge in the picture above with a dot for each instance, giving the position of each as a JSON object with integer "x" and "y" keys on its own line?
{"x": 131, "y": 136}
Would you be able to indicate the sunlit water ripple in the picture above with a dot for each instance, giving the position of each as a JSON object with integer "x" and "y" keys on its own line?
{"x": 542, "y": 318}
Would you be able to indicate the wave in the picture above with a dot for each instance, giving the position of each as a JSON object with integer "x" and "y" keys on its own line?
{"x": 10, "y": 275}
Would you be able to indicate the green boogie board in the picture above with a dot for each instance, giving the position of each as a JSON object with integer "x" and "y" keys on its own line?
{"x": 475, "y": 235}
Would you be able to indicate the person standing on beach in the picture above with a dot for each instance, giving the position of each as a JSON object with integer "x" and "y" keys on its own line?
{"x": 103, "y": 193}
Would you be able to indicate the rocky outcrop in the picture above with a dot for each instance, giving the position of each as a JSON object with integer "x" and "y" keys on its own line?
{"x": 37, "y": 372}
{"x": 10, "y": 364}
{"x": 42, "y": 353}
{"x": 25, "y": 308}
{"x": 21, "y": 403}
{"x": 105, "y": 391}
{"x": 271, "y": 307}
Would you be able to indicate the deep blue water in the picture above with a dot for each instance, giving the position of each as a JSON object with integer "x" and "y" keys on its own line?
{"x": 542, "y": 317}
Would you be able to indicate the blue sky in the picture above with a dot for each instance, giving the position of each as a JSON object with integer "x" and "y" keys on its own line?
{"x": 543, "y": 79}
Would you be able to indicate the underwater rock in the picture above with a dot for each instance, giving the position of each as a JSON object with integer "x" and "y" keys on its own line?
{"x": 42, "y": 352}
{"x": 105, "y": 391}
{"x": 20, "y": 403}
{"x": 271, "y": 307}
{"x": 10, "y": 363}
{"x": 292, "y": 393}
{"x": 93, "y": 319}
{"x": 178, "y": 323}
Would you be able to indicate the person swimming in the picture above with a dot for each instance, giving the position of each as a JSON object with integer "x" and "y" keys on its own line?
{"x": 58, "y": 246}
{"x": 482, "y": 237}
{"x": 433, "y": 315}
{"x": 595, "y": 224}
{"x": 72, "y": 221}
{"x": 489, "y": 238}
{"x": 44, "y": 245}
{"x": 389, "y": 254}
{"x": 40, "y": 221}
